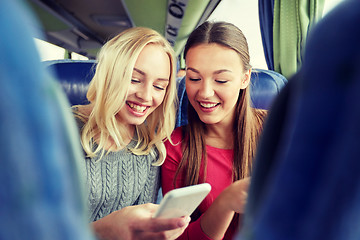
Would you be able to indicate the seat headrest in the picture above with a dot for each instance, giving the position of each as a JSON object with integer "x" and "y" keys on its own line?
{"x": 265, "y": 86}
{"x": 74, "y": 77}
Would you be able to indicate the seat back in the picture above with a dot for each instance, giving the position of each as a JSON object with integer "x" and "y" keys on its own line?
{"x": 74, "y": 77}
{"x": 265, "y": 86}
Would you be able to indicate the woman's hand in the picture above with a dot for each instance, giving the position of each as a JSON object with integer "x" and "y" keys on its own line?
{"x": 234, "y": 197}
{"x": 136, "y": 222}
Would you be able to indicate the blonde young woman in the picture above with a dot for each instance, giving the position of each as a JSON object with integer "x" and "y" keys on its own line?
{"x": 131, "y": 112}
{"x": 219, "y": 143}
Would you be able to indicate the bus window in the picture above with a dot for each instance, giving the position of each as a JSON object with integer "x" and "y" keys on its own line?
{"x": 48, "y": 51}
{"x": 329, "y": 5}
{"x": 244, "y": 14}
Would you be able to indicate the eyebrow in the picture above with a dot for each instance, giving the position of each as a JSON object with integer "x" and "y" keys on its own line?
{"x": 216, "y": 72}
{"x": 221, "y": 71}
{"x": 192, "y": 69}
{"x": 139, "y": 71}
{"x": 144, "y": 74}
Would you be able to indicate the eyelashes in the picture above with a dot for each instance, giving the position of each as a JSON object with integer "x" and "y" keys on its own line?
{"x": 156, "y": 86}
{"x": 198, "y": 79}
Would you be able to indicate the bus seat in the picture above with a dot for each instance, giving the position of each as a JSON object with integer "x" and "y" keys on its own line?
{"x": 74, "y": 77}
{"x": 265, "y": 86}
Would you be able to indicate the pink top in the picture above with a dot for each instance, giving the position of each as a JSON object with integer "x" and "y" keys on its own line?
{"x": 219, "y": 176}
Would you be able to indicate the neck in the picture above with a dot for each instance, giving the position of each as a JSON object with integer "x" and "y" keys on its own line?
{"x": 128, "y": 134}
{"x": 220, "y": 136}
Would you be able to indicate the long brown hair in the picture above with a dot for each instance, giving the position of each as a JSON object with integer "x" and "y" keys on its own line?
{"x": 247, "y": 123}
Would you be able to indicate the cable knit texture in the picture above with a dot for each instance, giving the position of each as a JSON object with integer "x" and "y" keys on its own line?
{"x": 120, "y": 179}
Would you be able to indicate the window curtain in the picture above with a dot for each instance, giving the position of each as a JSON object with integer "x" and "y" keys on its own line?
{"x": 266, "y": 16}
{"x": 284, "y": 27}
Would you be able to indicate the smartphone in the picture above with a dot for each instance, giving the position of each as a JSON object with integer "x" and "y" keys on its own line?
{"x": 182, "y": 201}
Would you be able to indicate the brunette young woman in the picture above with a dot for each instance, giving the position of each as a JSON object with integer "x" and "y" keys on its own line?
{"x": 219, "y": 142}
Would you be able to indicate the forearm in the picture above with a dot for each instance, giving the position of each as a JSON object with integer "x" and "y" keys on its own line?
{"x": 216, "y": 220}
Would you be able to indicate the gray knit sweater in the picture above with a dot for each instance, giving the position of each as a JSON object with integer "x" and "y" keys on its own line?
{"x": 120, "y": 179}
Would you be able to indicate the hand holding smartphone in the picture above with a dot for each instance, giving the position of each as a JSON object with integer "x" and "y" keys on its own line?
{"x": 182, "y": 201}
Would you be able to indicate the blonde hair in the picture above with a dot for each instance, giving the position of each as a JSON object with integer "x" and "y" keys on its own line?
{"x": 107, "y": 94}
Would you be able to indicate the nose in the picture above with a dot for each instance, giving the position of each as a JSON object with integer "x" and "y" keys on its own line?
{"x": 144, "y": 92}
{"x": 206, "y": 89}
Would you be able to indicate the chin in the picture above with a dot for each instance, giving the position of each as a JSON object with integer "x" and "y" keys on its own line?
{"x": 137, "y": 123}
{"x": 208, "y": 120}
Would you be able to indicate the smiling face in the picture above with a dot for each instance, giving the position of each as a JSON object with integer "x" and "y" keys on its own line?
{"x": 149, "y": 82}
{"x": 214, "y": 78}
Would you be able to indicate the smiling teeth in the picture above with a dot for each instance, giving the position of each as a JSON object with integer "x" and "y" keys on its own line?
{"x": 137, "y": 108}
{"x": 208, "y": 105}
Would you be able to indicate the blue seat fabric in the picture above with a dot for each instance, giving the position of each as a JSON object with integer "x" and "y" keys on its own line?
{"x": 74, "y": 76}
